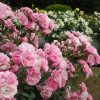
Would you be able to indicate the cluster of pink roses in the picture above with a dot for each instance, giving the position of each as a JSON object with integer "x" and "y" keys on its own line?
{"x": 34, "y": 21}
{"x": 79, "y": 45}
{"x": 78, "y": 95}
{"x": 27, "y": 18}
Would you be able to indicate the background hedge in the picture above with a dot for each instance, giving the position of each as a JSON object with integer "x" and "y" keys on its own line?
{"x": 86, "y": 5}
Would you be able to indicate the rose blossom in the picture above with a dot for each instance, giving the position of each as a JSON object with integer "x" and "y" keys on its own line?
{"x": 97, "y": 58}
{"x": 92, "y": 50}
{"x": 5, "y": 11}
{"x": 26, "y": 47}
{"x": 91, "y": 59}
{"x": 52, "y": 83}
{"x": 4, "y": 62}
{"x": 60, "y": 76}
{"x": 21, "y": 17}
{"x": 8, "y": 47}
{"x": 33, "y": 76}
{"x": 46, "y": 92}
{"x": 8, "y": 84}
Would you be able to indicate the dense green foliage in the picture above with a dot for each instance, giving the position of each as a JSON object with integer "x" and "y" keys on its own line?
{"x": 58, "y": 7}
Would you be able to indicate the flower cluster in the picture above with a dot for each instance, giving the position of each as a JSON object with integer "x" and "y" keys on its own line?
{"x": 78, "y": 95}
{"x": 79, "y": 46}
{"x": 69, "y": 21}
{"x": 34, "y": 21}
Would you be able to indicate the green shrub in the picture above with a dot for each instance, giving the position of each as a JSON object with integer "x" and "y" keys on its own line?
{"x": 58, "y": 7}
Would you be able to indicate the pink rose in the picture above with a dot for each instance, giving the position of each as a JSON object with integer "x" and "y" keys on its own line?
{"x": 84, "y": 96}
{"x": 8, "y": 23}
{"x": 87, "y": 71}
{"x": 27, "y": 58}
{"x": 50, "y": 82}
{"x": 8, "y": 99}
{"x": 14, "y": 68}
{"x": 74, "y": 96}
{"x": 8, "y": 84}
{"x": 92, "y": 50}
{"x": 44, "y": 21}
{"x": 16, "y": 57}
{"x": 51, "y": 25}
{"x": 97, "y": 58}
{"x": 21, "y": 17}
{"x": 46, "y": 92}
{"x": 44, "y": 65}
{"x": 91, "y": 59}
{"x": 60, "y": 76}
{"x": 33, "y": 76}
{"x": 4, "y": 62}
{"x": 82, "y": 62}
{"x": 5, "y": 11}
{"x": 35, "y": 41}
{"x": 46, "y": 31}
{"x": 8, "y": 47}
{"x": 26, "y": 47}
{"x": 24, "y": 39}
{"x": 83, "y": 87}
{"x": 89, "y": 97}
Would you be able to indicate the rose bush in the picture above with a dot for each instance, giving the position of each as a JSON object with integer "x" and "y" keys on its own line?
{"x": 26, "y": 70}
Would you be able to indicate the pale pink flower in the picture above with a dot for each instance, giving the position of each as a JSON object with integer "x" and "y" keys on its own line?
{"x": 46, "y": 92}
{"x": 89, "y": 97}
{"x": 16, "y": 57}
{"x": 53, "y": 53}
{"x": 52, "y": 83}
{"x": 97, "y": 59}
{"x": 74, "y": 39}
{"x": 68, "y": 94}
{"x": 8, "y": 23}
{"x": 8, "y": 47}
{"x": 83, "y": 87}
{"x": 60, "y": 76}
{"x": 76, "y": 33}
{"x": 85, "y": 40}
{"x": 62, "y": 64}
{"x": 74, "y": 96}
{"x": 51, "y": 25}
{"x": 46, "y": 31}
{"x": 26, "y": 47}
{"x": 43, "y": 21}
{"x": 4, "y": 62}
{"x": 8, "y": 84}
{"x": 92, "y": 50}
{"x": 71, "y": 67}
{"x": 83, "y": 96}
{"x": 87, "y": 71}
{"x": 91, "y": 60}
{"x": 41, "y": 53}
{"x": 44, "y": 65}
{"x": 27, "y": 11}
{"x": 82, "y": 62}
{"x": 51, "y": 49}
{"x": 5, "y": 11}
{"x": 33, "y": 76}
{"x": 35, "y": 41}
{"x": 24, "y": 39}
{"x": 27, "y": 58}
{"x": 8, "y": 99}
{"x": 14, "y": 68}
{"x": 21, "y": 17}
